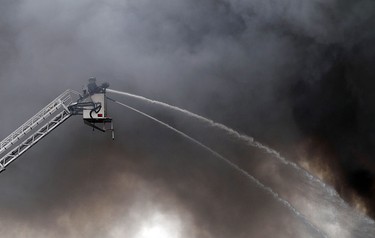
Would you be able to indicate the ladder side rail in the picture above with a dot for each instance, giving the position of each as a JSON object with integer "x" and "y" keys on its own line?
{"x": 41, "y": 112}
{"x": 15, "y": 136}
{"x": 33, "y": 139}
{"x": 63, "y": 100}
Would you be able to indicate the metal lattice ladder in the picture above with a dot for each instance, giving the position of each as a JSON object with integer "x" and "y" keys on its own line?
{"x": 13, "y": 146}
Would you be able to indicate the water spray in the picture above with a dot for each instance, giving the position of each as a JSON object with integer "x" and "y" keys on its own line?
{"x": 244, "y": 138}
{"x": 330, "y": 195}
{"x": 232, "y": 165}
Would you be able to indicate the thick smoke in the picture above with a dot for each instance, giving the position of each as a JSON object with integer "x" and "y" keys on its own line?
{"x": 293, "y": 74}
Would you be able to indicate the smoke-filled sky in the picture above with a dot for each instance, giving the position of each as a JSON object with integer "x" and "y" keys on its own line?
{"x": 294, "y": 74}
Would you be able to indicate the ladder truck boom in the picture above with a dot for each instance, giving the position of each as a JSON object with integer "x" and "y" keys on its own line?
{"x": 92, "y": 105}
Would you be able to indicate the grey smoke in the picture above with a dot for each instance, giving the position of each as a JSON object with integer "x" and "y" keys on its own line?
{"x": 233, "y": 61}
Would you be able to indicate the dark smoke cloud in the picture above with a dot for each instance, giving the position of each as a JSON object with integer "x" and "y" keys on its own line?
{"x": 294, "y": 74}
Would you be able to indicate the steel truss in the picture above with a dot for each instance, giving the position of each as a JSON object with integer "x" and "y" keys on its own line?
{"x": 58, "y": 107}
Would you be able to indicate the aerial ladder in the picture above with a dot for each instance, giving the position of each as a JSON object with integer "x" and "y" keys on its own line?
{"x": 91, "y": 104}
